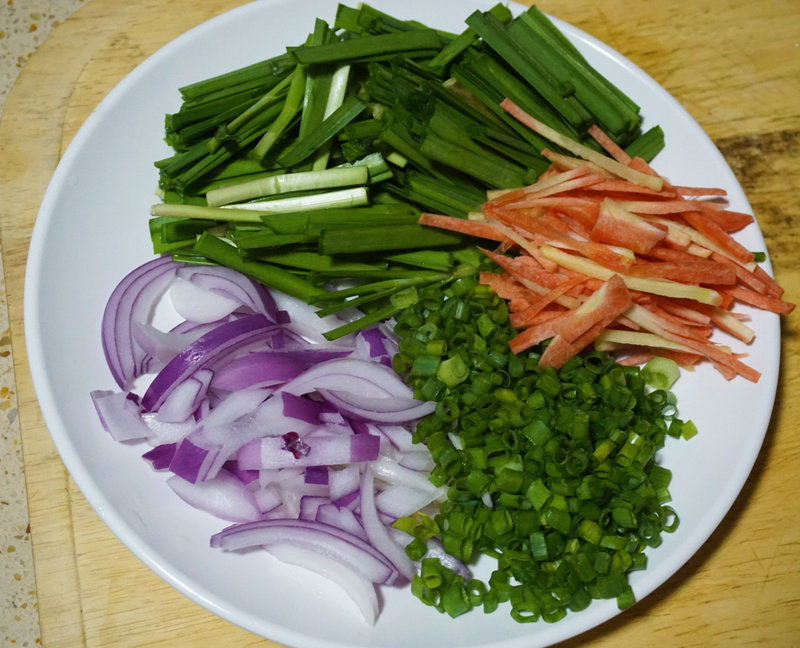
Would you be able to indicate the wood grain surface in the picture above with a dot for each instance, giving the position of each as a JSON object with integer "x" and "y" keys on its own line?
{"x": 735, "y": 66}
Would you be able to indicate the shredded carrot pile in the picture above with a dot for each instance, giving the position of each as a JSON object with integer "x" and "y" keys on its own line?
{"x": 601, "y": 250}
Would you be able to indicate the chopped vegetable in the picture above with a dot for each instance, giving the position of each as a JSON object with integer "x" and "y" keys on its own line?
{"x": 257, "y": 426}
{"x": 675, "y": 278}
{"x": 551, "y": 473}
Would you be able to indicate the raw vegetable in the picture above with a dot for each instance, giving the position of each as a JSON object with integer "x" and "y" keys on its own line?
{"x": 602, "y": 250}
{"x": 304, "y": 446}
{"x": 377, "y": 119}
{"x": 551, "y": 474}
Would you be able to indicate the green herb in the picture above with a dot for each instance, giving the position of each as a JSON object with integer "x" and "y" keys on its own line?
{"x": 551, "y": 473}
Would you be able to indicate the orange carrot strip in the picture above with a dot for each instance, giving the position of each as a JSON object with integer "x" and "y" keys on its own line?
{"x": 677, "y": 325}
{"x": 526, "y": 317}
{"x": 603, "y": 305}
{"x": 694, "y": 271}
{"x": 506, "y": 287}
{"x": 706, "y": 348}
{"x": 479, "y": 229}
{"x": 699, "y": 191}
{"x": 691, "y": 315}
{"x": 662, "y": 207}
{"x": 561, "y": 161}
{"x": 640, "y": 357}
{"x": 773, "y": 287}
{"x": 615, "y": 185}
{"x": 609, "y": 145}
{"x": 506, "y": 196}
{"x": 532, "y": 335}
{"x": 621, "y": 170}
{"x": 617, "y": 226}
{"x": 711, "y": 230}
{"x": 759, "y": 300}
{"x": 558, "y": 351}
{"x": 730, "y": 221}
{"x": 744, "y": 275}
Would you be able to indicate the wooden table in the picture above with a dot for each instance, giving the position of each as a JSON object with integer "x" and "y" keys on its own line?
{"x": 734, "y": 64}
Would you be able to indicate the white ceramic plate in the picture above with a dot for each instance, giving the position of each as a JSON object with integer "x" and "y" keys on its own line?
{"x": 92, "y": 229}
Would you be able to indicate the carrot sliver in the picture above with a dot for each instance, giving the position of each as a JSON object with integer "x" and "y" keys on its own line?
{"x": 694, "y": 271}
{"x": 706, "y": 348}
{"x": 714, "y": 232}
{"x": 699, "y": 191}
{"x": 526, "y": 317}
{"x": 759, "y": 300}
{"x": 609, "y": 145}
{"x": 478, "y": 229}
{"x": 773, "y": 288}
{"x": 618, "y": 226}
{"x": 603, "y": 305}
{"x": 621, "y": 170}
{"x": 535, "y": 334}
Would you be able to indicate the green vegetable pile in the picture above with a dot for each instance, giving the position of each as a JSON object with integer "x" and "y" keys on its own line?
{"x": 551, "y": 473}
{"x": 314, "y": 165}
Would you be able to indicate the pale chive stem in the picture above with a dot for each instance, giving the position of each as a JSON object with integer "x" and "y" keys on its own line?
{"x": 351, "y": 197}
{"x": 336, "y": 96}
{"x": 288, "y": 183}
{"x": 291, "y": 106}
{"x": 177, "y": 210}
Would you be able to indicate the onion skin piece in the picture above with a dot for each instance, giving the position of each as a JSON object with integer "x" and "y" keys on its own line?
{"x": 351, "y": 550}
{"x": 200, "y": 353}
{"x": 223, "y": 496}
{"x": 360, "y": 590}
{"x": 132, "y": 300}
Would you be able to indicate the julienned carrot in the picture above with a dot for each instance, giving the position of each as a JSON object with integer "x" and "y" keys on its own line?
{"x": 604, "y": 251}
{"x": 711, "y": 230}
{"x": 609, "y": 145}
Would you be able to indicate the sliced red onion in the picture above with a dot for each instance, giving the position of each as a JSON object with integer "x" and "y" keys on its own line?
{"x": 317, "y": 475}
{"x": 344, "y": 481}
{"x": 234, "y": 286}
{"x": 182, "y": 401}
{"x": 271, "y": 367}
{"x": 302, "y": 409}
{"x": 350, "y": 375}
{"x": 268, "y": 498}
{"x": 223, "y": 496}
{"x": 346, "y": 548}
{"x": 304, "y": 321}
{"x": 327, "y": 450}
{"x": 120, "y": 415}
{"x": 399, "y": 500}
{"x": 385, "y": 409}
{"x": 376, "y": 531}
{"x": 309, "y": 505}
{"x": 306, "y": 445}
{"x": 161, "y": 456}
{"x": 197, "y": 304}
{"x": 359, "y": 589}
{"x": 162, "y": 432}
{"x": 342, "y": 518}
{"x": 399, "y": 435}
{"x": 198, "y": 354}
{"x": 132, "y": 300}
{"x": 194, "y": 457}
{"x": 418, "y": 461}
{"x": 161, "y": 346}
{"x": 392, "y": 472}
